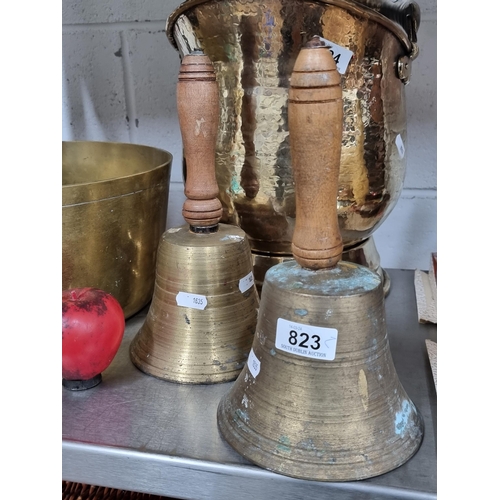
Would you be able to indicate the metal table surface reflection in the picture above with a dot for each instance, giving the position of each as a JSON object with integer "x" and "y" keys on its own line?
{"x": 139, "y": 433}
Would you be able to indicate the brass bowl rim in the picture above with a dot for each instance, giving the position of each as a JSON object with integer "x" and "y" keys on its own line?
{"x": 114, "y": 179}
{"x": 349, "y": 5}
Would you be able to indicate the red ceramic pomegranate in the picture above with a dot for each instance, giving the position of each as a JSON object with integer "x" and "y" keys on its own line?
{"x": 93, "y": 325}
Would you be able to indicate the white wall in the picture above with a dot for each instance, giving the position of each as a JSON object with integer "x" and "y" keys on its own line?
{"x": 119, "y": 83}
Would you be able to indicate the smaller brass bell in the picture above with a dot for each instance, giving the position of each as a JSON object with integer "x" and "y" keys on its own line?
{"x": 201, "y": 322}
{"x": 320, "y": 398}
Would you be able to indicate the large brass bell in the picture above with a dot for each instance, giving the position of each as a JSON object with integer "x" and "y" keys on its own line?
{"x": 202, "y": 318}
{"x": 319, "y": 397}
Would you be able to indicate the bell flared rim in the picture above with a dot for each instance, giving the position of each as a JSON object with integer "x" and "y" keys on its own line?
{"x": 279, "y": 456}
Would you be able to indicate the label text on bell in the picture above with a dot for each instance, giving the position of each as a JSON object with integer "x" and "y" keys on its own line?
{"x": 306, "y": 340}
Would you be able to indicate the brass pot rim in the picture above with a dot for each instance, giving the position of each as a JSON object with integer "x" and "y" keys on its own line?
{"x": 365, "y": 8}
{"x": 92, "y": 191}
{"x": 111, "y": 143}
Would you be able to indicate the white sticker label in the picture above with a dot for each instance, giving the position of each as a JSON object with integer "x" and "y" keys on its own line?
{"x": 246, "y": 282}
{"x": 400, "y": 146}
{"x": 191, "y": 300}
{"x": 341, "y": 55}
{"x": 253, "y": 364}
{"x": 306, "y": 340}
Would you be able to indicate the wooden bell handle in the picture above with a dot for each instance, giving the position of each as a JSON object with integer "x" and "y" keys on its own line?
{"x": 198, "y": 110}
{"x": 315, "y": 126}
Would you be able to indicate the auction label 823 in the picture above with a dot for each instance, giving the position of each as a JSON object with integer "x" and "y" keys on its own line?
{"x": 305, "y": 340}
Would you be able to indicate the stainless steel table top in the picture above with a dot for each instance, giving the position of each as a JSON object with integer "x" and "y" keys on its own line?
{"x": 139, "y": 433}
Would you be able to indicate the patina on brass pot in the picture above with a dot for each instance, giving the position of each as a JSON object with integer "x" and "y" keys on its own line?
{"x": 253, "y": 46}
{"x": 114, "y": 211}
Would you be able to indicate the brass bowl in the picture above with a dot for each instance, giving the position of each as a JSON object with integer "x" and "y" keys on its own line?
{"x": 114, "y": 211}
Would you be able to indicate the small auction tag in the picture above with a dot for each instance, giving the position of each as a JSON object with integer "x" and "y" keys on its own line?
{"x": 192, "y": 300}
{"x": 341, "y": 55}
{"x": 400, "y": 145}
{"x": 246, "y": 282}
{"x": 306, "y": 340}
{"x": 253, "y": 364}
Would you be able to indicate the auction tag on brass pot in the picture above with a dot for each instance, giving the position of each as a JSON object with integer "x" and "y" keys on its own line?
{"x": 246, "y": 282}
{"x": 400, "y": 145}
{"x": 306, "y": 340}
{"x": 192, "y": 300}
{"x": 341, "y": 55}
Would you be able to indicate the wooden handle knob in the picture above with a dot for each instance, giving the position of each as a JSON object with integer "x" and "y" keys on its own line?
{"x": 198, "y": 110}
{"x": 315, "y": 125}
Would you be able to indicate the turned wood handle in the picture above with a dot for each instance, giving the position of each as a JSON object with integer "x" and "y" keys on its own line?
{"x": 198, "y": 110}
{"x": 315, "y": 126}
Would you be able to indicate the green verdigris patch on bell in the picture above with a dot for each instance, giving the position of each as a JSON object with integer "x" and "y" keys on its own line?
{"x": 344, "y": 279}
{"x": 283, "y": 444}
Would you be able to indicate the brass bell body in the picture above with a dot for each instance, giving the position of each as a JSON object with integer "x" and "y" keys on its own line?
{"x": 201, "y": 323}
{"x": 319, "y": 397}
{"x": 293, "y": 410}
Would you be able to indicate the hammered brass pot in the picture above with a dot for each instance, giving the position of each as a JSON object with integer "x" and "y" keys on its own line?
{"x": 253, "y": 47}
{"x": 114, "y": 211}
